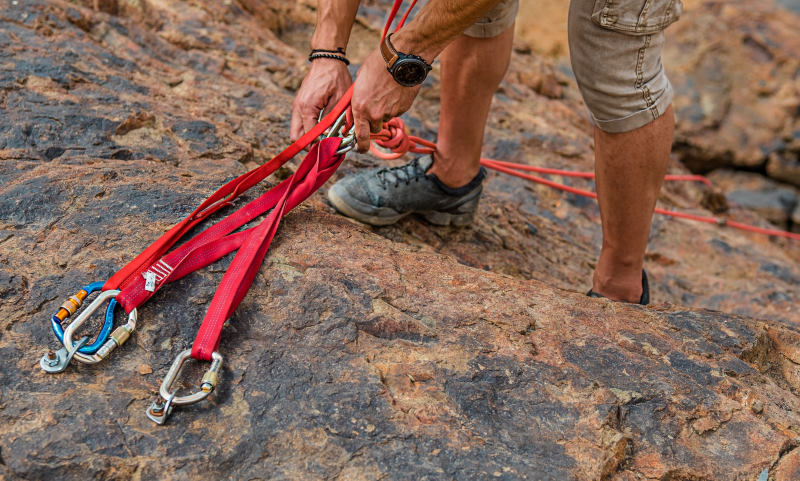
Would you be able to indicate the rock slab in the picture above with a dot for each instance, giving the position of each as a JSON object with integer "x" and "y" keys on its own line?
{"x": 406, "y": 352}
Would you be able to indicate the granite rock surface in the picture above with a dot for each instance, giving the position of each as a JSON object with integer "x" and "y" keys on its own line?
{"x": 404, "y": 352}
{"x": 772, "y": 200}
{"x": 734, "y": 66}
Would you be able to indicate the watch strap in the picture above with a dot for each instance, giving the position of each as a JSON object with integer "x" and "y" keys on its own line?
{"x": 388, "y": 51}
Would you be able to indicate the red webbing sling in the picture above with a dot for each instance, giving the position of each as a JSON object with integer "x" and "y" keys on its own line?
{"x": 219, "y": 240}
{"x": 222, "y": 197}
{"x": 216, "y": 241}
{"x": 244, "y": 267}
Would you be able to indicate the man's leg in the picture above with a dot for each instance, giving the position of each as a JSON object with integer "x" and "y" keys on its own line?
{"x": 629, "y": 170}
{"x": 619, "y": 71}
{"x": 445, "y": 189}
{"x": 472, "y": 69}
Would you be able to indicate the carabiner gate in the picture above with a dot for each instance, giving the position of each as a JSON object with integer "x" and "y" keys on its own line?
{"x": 161, "y": 408}
{"x": 116, "y": 339}
{"x": 348, "y": 142}
{"x": 337, "y": 126}
{"x": 348, "y": 139}
{"x": 70, "y": 306}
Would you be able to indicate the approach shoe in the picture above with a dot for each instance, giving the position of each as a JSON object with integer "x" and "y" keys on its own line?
{"x": 383, "y": 196}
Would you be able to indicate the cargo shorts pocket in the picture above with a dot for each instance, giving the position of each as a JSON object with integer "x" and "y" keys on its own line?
{"x": 636, "y": 17}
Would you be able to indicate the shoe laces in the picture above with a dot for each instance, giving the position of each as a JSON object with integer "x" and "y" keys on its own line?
{"x": 403, "y": 173}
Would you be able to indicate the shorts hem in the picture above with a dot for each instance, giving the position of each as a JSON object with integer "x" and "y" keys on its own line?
{"x": 636, "y": 119}
{"x": 494, "y": 27}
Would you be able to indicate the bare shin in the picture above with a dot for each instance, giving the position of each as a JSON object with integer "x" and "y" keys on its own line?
{"x": 472, "y": 69}
{"x": 630, "y": 169}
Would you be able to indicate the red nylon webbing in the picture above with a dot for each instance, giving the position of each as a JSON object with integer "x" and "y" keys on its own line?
{"x": 240, "y": 274}
{"x": 219, "y": 240}
{"x": 222, "y": 197}
{"x": 207, "y": 246}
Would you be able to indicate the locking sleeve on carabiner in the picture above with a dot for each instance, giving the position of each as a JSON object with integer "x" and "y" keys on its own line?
{"x": 161, "y": 408}
{"x": 116, "y": 339}
{"x": 71, "y": 305}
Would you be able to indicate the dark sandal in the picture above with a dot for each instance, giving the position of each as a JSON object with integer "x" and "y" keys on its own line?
{"x": 645, "y": 299}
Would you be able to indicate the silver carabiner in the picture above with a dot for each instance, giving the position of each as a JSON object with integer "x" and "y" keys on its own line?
{"x": 336, "y": 126}
{"x": 348, "y": 139}
{"x": 116, "y": 339}
{"x": 161, "y": 408}
{"x": 348, "y": 142}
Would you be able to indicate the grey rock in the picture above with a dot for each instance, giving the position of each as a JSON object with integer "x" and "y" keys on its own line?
{"x": 785, "y": 168}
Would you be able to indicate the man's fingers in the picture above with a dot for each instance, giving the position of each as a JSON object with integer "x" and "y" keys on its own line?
{"x": 362, "y": 134}
{"x": 303, "y": 120}
{"x": 296, "y": 126}
{"x": 309, "y": 121}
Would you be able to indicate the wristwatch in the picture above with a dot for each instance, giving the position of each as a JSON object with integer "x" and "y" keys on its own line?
{"x": 407, "y": 70}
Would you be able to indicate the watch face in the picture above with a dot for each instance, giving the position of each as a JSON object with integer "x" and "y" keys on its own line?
{"x": 409, "y": 72}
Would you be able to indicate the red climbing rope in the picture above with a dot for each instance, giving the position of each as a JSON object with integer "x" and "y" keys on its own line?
{"x": 395, "y": 137}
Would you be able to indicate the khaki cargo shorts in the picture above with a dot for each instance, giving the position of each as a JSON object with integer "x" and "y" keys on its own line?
{"x": 615, "y": 48}
{"x": 496, "y": 21}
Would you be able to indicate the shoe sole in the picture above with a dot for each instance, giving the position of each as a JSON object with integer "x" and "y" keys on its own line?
{"x": 434, "y": 217}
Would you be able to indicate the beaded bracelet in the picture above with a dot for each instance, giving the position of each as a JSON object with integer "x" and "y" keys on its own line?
{"x": 338, "y": 51}
{"x": 315, "y": 56}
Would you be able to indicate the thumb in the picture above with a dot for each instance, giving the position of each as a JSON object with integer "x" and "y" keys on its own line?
{"x": 362, "y": 134}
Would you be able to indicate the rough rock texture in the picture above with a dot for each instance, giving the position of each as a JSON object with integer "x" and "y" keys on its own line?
{"x": 406, "y": 352}
{"x": 774, "y": 201}
{"x": 734, "y": 65}
{"x": 735, "y": 69}
{"x": 796, "y": 219}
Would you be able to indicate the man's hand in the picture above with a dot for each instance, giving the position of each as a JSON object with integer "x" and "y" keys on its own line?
{"x": 326, "y": 82}
{"x": 377, "y": 98}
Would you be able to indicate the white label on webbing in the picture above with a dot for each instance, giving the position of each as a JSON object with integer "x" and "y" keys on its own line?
{"x": 149, "y": 281}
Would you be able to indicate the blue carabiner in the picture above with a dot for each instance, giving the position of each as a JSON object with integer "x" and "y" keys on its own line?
{"x": 71, "y": 305}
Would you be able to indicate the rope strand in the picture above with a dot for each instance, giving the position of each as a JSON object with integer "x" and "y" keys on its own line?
{"x": 395, "y": 137}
